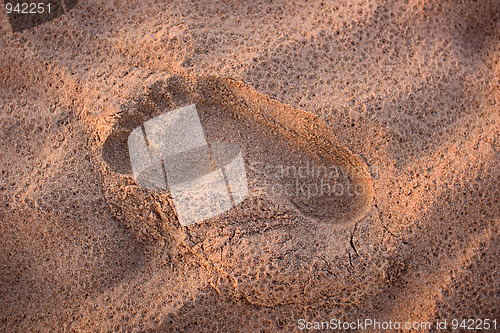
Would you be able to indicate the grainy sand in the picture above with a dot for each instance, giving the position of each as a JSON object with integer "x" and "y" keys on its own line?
{"x": 402, "y": 96}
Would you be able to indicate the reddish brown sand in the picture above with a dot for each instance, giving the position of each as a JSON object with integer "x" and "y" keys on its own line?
{"x": 403, "y": 95}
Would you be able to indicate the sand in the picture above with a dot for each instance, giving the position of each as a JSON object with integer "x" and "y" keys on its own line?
{"x": 401, "y": 96}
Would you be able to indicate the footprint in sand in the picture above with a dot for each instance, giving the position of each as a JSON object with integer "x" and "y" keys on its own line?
{"x": 303, "y": 187}
{"x": 289, "y": 154}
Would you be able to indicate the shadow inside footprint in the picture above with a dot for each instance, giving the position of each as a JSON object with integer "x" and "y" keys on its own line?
{"x": 290, "y": 155}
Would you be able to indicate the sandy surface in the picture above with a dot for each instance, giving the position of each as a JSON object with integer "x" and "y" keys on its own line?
{"x": 402, "y": 95}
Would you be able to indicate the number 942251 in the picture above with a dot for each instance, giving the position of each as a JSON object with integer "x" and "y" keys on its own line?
{"x": 27, "y": 8}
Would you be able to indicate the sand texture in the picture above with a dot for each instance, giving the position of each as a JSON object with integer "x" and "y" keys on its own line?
{"x": 400, "y": 98}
